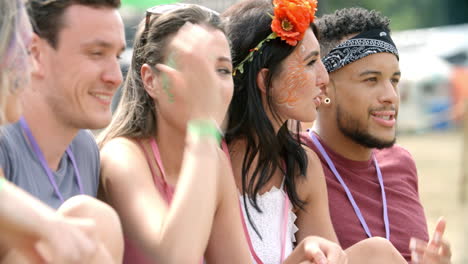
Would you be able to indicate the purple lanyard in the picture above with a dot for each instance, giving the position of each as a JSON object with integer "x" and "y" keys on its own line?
{"x": 44, "y": 164}
{"x": 348, "y": 192}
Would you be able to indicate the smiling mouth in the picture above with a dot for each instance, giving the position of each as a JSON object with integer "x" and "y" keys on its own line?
{"x": 102, "y": 96}
{"x": 384, "y": 117}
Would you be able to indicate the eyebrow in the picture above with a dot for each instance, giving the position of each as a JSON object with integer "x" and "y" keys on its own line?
{"x": 223, "y": 58}
{"x": 103, "y": 44}
{"x": 370, "y": 72}
{"x": 398, "y": 73}
{"x": 312, "y": 54}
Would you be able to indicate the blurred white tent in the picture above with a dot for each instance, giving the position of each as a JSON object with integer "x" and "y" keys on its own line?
{"x": 427, "y": 57}
{"x": 425, "y": 92}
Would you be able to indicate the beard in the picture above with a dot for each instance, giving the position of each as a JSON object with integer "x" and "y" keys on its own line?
{"x": 351, "y": 128}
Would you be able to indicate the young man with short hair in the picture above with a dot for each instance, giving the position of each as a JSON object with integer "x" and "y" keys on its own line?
{"x": 49, "y": 152}
{"x": 372, "y": 183}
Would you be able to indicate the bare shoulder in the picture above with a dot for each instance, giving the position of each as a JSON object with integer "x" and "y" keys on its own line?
{"x": 314, "y": 166}
{"x": 121, "y": 157}
{"x": 314, "y": 181}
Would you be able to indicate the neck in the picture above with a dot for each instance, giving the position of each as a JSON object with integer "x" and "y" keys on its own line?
{"x": 171, "y": 144}
{"x": 340, "y": 143}
{"x": 51, "y": 134}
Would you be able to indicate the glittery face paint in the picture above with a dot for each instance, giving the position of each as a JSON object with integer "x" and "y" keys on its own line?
{"x": 166, "y": 85}
{"x": 296, "y": 88}
{"x": 296, "y": 78}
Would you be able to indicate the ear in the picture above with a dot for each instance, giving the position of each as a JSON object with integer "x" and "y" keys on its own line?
{"x": 328, "y": 90}
{"x": 149, "y": 79}
{"x": 38, "y": 56}
{"x": 261, "y": 79}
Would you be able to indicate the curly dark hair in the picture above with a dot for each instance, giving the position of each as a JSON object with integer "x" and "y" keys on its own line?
{"x": 333, "y": 28}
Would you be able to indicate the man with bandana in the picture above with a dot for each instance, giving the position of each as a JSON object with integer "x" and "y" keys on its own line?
{"x": 372, "y": 183}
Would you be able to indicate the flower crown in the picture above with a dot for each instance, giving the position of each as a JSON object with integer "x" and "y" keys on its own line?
{"x": 290, "y": 21}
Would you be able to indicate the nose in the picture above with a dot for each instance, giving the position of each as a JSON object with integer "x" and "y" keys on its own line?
{"x": 322, "y": 75}
{"x": 389, "y": 94}
{"x": 113, "y": 74}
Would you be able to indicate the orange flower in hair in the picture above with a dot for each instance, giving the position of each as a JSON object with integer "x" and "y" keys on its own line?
{"x": 292, "y": 18}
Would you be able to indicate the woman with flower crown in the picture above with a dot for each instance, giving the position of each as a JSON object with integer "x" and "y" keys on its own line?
{"x": 162, "y": 168}
{"x": 277, "y": 78}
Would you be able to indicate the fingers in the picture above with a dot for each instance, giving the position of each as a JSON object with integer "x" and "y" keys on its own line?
{"x": 313, "y": 252}
{"x": 71, "y": 240}
{"x": 45, "y": 253}
{"x": 445, "y": 249}
{"x": 191, "y": 37}
{"x": 192, "y": 40}
{"x": 437, "y": 251}
{"x": 321, "y": 251}
{"x": 438, "y": 234}
{"x": 418, "y": 248}
{"x": 86, "y": 225}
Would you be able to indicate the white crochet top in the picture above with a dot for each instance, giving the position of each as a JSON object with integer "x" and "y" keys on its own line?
{"x": 269, "y": 224}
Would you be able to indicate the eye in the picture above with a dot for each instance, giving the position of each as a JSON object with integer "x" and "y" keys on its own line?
{"x": 395, "y": 81}
{"x": 224, "y": 71}
{"x": 371, "y": 79}
{"x": 312, "y": 62}
{"x": 96, "y": 53}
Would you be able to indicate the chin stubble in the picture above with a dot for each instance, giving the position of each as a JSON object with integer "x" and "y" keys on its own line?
{"x": 351, "y": 128}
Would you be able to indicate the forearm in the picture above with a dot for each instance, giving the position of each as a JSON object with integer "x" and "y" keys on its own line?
{"x": 187, "y": 225}
{"x": 21, "y": 215}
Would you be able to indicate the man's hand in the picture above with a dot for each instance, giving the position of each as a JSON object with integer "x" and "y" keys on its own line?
{"x": 437, "y": 251}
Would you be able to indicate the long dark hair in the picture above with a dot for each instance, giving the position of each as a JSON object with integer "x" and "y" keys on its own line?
{"x": 248, "y": 23}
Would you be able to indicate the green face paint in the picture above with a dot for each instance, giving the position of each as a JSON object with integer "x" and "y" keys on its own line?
{"x": 166, "y": 86}
{"x": 165, "y": 79}
{"x": 171, "y": 62}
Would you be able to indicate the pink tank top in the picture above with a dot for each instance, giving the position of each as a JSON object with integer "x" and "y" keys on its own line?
{"x": 133, "y": 254}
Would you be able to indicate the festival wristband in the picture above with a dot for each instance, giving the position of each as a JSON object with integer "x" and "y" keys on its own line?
{"x": 204, "y": 129}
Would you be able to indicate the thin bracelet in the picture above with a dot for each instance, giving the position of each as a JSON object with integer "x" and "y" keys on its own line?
{"x": 204, "y": 129}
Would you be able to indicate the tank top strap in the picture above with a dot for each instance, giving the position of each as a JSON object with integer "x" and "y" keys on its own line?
{"x": 225, "y": 148}
{"x": 159, "y": 181}
{"x": 282, "y": 184}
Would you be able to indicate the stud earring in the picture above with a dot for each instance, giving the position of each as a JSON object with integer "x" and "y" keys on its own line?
{"x": 327, "y": 101}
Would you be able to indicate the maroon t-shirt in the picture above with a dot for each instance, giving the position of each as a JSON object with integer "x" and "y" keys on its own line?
{"x": 405, "y": 212}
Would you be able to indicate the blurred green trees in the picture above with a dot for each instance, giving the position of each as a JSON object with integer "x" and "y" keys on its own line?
{"x": 407, "y": 14}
